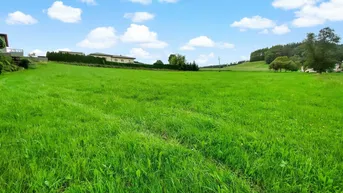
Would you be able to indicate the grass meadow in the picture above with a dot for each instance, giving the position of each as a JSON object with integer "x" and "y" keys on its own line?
{"x": 67, "y": 128}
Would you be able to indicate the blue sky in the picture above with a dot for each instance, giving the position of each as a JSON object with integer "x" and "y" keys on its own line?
{"x": 202, "y": 30}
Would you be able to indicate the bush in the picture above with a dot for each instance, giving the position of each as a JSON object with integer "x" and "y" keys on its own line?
{"x": 7, "y": 64}
{"x": 283, "y": 62}
{"x": 24, "y": 63}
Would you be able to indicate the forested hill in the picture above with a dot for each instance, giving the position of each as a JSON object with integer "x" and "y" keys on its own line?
{"x": 292, "y": 50}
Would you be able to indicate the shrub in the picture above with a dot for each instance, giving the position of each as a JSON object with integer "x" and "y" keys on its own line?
{"x": 24, "y": 63}
{"x": 7, "y": 64}
{"x": 283, "y": 62}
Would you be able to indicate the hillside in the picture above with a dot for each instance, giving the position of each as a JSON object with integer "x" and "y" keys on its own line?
{"x": 248, "y": 66}
{"x": 68, "y": 128}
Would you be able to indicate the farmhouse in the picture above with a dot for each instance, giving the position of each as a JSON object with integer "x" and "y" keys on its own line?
{"x": 72, "y": 53}
{"x": 10, "y": 51}
{"x": 114, "y": 58}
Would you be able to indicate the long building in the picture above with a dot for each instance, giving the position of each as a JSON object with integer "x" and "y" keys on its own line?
{"x": 114, "y": 58}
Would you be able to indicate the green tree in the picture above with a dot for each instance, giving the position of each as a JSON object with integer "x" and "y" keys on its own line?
{"x": 273, "y": 53}
{"x": 158, "y": 63}
{"x": 177, "y": 59}
{"x": 171, "y": 57}
{"x": 2, "y": 43}
{"x": 321, "y": 50}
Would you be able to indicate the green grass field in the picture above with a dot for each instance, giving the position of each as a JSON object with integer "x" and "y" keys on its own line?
{"x": 67, "y": 128}
{"x": 248, "y": 66}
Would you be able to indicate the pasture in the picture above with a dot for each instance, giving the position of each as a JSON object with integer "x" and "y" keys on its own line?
{"x": 67, "y": 128}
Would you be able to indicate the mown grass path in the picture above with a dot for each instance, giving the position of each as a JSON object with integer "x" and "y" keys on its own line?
{"x": 80, "y": 129}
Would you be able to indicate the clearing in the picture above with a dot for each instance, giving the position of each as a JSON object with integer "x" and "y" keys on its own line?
{"x": 83, "y": 129}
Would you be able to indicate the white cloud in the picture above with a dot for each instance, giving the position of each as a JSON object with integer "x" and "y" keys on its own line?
{"x": 203, "y": 59}
{"x": 292, "y": 4}
{"x": 89, "y": 2}
{"x": 224, "y": 45}
{"x": 100, "y": 38}
{"x": 201, "y": 41}
{"x": 140, "y": 53}
{"x": 139, "y": 16}
{"x": 187, "y": 47}
{"x": 20, "y": 18}
{"x": 265, "y": 31}
{"x": 256, "y": 22}
{"x": 64, "y": 13}
{"x": 139, "y": 34}
{"x": 144, "y": 2}
{"x": 38, "y": 52}
{"x": 142, "y": 34}
{"x": 168, "y": 1}
{"x": 307, "y": 22}
{"x": 204, "y": 41}
{"x": 280, "y": 30}
{"x": 157, "y": 44}
{"x": 312, "y": 15}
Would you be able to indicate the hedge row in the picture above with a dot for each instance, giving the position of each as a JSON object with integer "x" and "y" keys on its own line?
{"x": 101, "y": 62}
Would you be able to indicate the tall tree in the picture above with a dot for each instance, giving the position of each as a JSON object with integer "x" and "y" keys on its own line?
{"x": 171, "y": 57}
{"x": 321, "y": 50}
{"x": 158, "y": 63}
{"x": 178, "y": 59}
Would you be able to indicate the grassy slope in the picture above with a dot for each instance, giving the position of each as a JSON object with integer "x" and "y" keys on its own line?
{"x": 76, "y": 129}
{"x": 248, "y": 66}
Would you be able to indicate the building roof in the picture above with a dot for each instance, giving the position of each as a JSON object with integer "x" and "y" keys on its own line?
{"x": 109, "y": 55}
{"x": 6, "y": 39}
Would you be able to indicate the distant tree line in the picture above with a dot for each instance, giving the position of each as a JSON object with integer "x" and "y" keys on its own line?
{"x": 320, "y": 52}
{"x": 101, "y": 62}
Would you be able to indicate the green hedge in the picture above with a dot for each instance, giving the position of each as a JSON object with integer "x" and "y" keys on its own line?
{"x": 101, "y": 62}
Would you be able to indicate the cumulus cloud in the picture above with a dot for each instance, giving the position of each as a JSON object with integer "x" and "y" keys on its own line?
{"x": 141, "y": 34}
{"x": 224, "y": 45}
{"x": 20, "y": 18}
{"x": 280, "y": 30}
{"x": 100, "y": 38}
{"x": 140, "y": 53}
{"x": 138, "y": 17}
{"x": 38, "y": 52}
{"x": 289, "y": 4}
{"x": 204, "y": 41}
{"x": 187, "y": 47}
{"x": 144, "y": 2}
{"x": 156, "y": 44}
{"x": 203, "y": 58}
{"x": 64, "y": 13}
{"x": 89, "y": 2}
{"x": 265, "y": 31}
{"x": 312, "y": 15}
{"x": 256, "y": 22}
